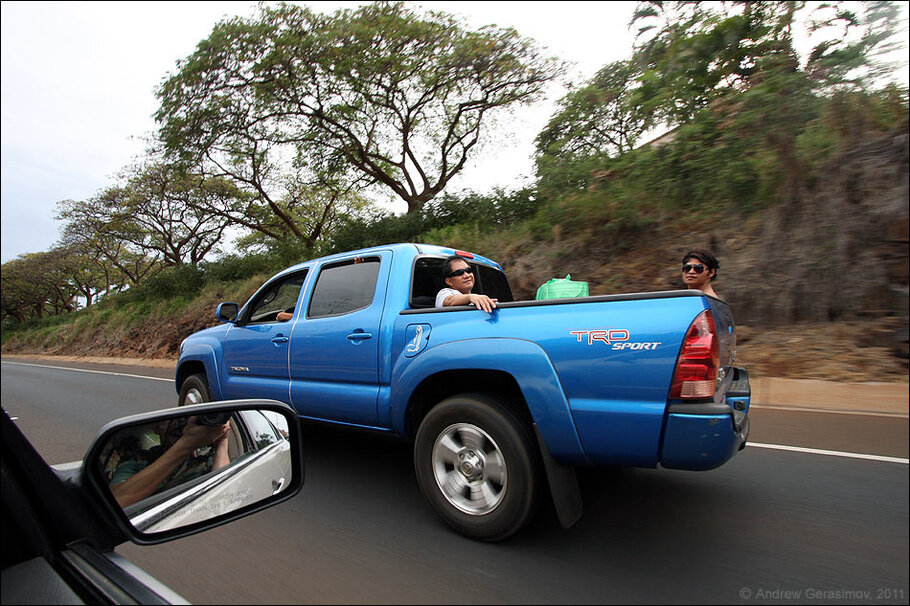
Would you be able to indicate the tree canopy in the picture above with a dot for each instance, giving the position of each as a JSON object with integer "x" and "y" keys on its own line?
{"x": 691, "y": 53}
{"x": 743, "y": 77}
{"x": 159, "y": 211}
{"x": 377, "y": 95}
{"x": 279, "y": 124}
{"x": 595, "y": 119}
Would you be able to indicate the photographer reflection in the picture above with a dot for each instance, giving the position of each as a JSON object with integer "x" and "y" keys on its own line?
{"x": 188, "y": 449}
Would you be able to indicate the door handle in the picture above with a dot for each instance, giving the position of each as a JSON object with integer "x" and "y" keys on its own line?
{"x": 277, "y": 341}
{"x": 359, "y": 335}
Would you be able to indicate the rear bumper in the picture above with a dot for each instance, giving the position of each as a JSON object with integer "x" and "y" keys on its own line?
{"x": 704, "y": 436}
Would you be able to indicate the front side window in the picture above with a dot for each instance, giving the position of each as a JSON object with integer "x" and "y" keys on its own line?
{"x": 280, "y": 297}
{"x": 345, "y": 287}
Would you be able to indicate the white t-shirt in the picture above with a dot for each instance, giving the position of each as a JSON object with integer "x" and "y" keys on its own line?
{"x": 444, "y": 294}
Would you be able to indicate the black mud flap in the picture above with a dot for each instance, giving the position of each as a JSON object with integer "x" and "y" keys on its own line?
{"x": 563, "y": 485}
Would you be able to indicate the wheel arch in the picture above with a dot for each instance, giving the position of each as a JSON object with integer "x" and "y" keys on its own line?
{"x": 444, "y": 384}
{"x": 517, "y": 369}
{"x": 202, "y": 361}
{"x": 190, "y": 367}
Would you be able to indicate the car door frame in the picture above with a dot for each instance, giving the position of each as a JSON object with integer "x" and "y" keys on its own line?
{"x": 256, "y": 354}
{"x": 334, "y": 365}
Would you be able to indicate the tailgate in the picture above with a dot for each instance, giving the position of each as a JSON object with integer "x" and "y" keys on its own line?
{"x": 726, "y": 331}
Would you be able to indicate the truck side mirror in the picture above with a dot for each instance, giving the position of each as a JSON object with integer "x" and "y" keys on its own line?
{"x": 228, "y": 312}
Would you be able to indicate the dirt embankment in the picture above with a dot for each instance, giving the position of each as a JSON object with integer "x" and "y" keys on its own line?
{"x": 857, "y": 351}
{"x": 818, "y": 282}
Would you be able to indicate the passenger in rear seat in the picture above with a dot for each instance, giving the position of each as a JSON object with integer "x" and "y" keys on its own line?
{"x": 459, "y": 279}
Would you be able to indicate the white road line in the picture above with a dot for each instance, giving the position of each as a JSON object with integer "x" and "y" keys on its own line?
{"x": 98, "y": 372}
{"x": 831, "y": 453}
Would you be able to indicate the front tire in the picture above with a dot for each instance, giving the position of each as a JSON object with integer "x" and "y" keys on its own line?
{"x": 477, "y": 465}
{"x": 195, "y": 390}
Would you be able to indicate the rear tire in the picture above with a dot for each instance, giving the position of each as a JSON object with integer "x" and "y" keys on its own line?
{"x": 477, "y": 465}
{"x": 195, "y": 390}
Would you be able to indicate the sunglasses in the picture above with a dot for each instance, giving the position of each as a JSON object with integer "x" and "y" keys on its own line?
{"x": 698, "y": 268}
{"x": 460, "y": 272}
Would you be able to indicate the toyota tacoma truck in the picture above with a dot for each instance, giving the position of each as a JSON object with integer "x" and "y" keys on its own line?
{"x": 501, "y": 407}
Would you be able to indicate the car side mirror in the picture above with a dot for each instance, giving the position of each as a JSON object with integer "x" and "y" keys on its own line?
{"x": 228, "y": 312}
{"x": 176, "y": 472}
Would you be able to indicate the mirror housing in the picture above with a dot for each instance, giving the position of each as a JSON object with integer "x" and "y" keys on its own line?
{"x": 255, "y": 461}
{"x": 227, "y": 312}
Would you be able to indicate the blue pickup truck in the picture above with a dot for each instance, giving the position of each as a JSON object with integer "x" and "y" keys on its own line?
{"x": 500, "y": 406}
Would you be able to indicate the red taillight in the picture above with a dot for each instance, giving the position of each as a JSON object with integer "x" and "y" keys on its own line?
{"x": 696, "y": 370}
{"x": 465, "y": 254}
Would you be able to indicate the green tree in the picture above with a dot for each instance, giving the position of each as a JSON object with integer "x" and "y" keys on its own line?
{"x": 309, "y": 207}
{"x": 692, "y": 53}
{"x": 493, "y": 211}
{"x": 377, "y": 95}
{"x": 596, "y": 119}
{"x": 35, "y": 285}
{"x": 736, "y": 64}
{"x": 855, "y": 46}
{"x": 21, "y": 297}
{"x": 160, "y": 211}
{"x": 84, "y": 233}
{"x": 51, "y": 271}
{"x": 86, "y": 274}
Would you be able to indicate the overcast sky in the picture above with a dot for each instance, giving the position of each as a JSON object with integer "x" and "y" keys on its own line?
{"x": 78, "y": 81}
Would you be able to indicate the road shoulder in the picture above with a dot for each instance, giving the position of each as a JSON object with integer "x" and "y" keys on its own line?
{"x": 812, "y": 394}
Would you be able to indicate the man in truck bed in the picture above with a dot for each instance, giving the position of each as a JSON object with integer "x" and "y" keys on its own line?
{"x": 459, "y": 277}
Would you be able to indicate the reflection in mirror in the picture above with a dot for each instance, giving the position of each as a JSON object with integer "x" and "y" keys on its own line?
{"x": 227, "y": 312}
{"x": 185, "y": 470}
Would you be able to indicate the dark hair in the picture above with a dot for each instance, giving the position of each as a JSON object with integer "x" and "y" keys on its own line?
{"x": 447, "y": 265}
{"x": 705, "y": 257}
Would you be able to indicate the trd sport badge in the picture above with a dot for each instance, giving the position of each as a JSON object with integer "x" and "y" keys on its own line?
{"x": 616, "y": 338}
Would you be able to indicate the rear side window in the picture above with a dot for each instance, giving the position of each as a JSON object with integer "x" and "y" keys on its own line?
{"x": 345, "y": 287}
{"x": 493, "y": 283}
{"x": 428, "y": 281}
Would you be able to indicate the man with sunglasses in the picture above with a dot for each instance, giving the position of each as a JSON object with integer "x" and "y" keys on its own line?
{"x": 459, "y": 278}
{"x": 175, "y": 461}
{"x": 699, "y": 270}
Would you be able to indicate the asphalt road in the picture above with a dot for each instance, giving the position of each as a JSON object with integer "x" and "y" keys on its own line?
{"x": 771, "y": 526}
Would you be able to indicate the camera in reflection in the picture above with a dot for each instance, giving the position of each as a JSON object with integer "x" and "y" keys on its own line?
{"x": 215, "y": 418}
